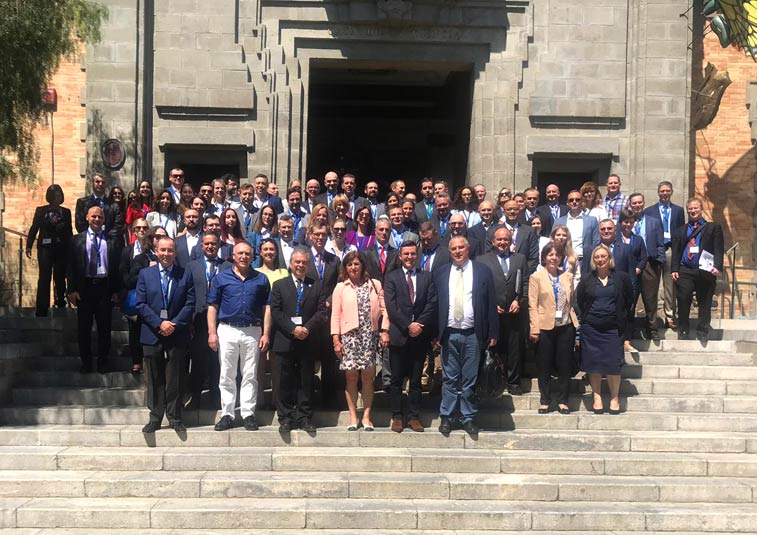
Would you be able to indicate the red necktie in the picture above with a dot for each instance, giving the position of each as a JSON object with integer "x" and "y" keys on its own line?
{"x": 693, "y": 240}
{"x": 410, "y": 286}
{"x": 382, "y": 257}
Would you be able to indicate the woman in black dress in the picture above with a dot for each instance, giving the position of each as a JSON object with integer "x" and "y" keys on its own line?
{"x": 603, "y": 299}
{"x": 53, "y": 223}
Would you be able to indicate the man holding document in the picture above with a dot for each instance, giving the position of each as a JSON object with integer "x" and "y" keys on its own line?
{"x": 697, "y": 260}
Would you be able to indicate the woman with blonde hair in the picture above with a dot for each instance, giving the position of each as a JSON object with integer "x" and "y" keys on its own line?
{"x": 561, "y": 234}
{"x": 591, "y": 201}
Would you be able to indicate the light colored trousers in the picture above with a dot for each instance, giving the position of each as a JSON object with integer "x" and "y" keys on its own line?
{"x": 238, "y": 348}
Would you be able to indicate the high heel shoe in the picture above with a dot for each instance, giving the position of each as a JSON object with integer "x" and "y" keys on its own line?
{"x": 563, "y": 410}
{"x": 543, "y": 410}
{"x": 600, "y": 410}
{"x": 367, "y": 427}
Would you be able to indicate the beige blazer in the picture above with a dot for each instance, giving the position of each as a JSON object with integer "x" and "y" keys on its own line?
{"x": 344, "y": 313}
{"x": 541, "y": 300}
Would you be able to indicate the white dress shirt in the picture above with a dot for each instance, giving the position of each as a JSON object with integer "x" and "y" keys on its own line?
{"x": 467, "y": 321}
{"x": 576, "y": 227}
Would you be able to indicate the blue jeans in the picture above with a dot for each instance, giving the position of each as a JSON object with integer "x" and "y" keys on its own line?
{"x": 461, "y": 354}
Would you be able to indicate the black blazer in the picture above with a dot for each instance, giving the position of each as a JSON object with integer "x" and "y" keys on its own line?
{"x": 197, "y": 271}
{"x": 478, "y": 234}
{"x": 372, "y": 263}
{"x": 624, "y": 297}
{"x": 420, "y": 212}
{"x": 512, "y": 286}
{"x": 486, "y": 322}
{"x": 629, "y": 258}
{"x": 330, "y": 272}
{"x": 711, "y": 241}
{"x": 441, "y": 258}
{"x": 526, "y": 243}
{"x": 50, "y": 233}
{"x": 284, "y": 307}
{"x": 402, "y": 311}
{"x": 547, "y": 222}
{"x": 114, "y": 219}
{"x": 77, "y": 264}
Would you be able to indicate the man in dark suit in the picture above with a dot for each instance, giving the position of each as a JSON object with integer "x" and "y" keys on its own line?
{"x": 213, "y": 226}
{"x": 166, "y": 302}
{"x": 442, "y": 213}
{"x": 457, "y": 227}
{"x": 583, "y": 228}
{"x": 93, "y": 283}
{"x": 510, "y": 273}
{"x": 410, "y": 299}
{"x": 324, "y": 267}
{"x": 424, "y": 209}
{"x": 671, "y": 218}
{"x": 525, "y": 239}
{"x": 204, "y": 359}
{"x": 478, "y": 231}
{"x": 371, "y": 197}
{"x": 692, "y": 270}
{"x": 298, "y": 312}
{"x": 331, "y": 183}
{"x": 382, "y": 257}
{"x": 432, "y": 255}
{"x": 531, "y": 199}
{"x": 468, "y": 323}
{"x": 312, "y": 189}
{"x": 189, "y": 241}
{"x": 349, "y": 185}
{"x": 300, "y": 217}
{"x": 551, "y": 211}
{"x": 650, "y": 229}
{"x": 113, "y": 222}
{"x": 263, "y": 198}
{"x": 247, "y": 211}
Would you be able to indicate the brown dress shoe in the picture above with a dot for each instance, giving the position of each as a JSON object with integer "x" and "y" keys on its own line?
{"x": 397, "y": 425}
{"x": 415, "y": 425}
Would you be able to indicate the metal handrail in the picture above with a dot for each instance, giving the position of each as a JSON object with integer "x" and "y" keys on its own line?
{"x": 732, "y": 252}
{"x": 21, "y": 237}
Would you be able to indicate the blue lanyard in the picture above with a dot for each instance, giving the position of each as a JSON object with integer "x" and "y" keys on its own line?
{"x": 374, "y": 210}
{"x": 211, "y": 276}
{"x": 296, "y": 218}
{"x": 429, "y": 209}
{"x": 165, "y": 285}
{"x": 361, "y": 243}
{"x": 319, "y": 267}
{"x": 665, "y": 218}
{"x": 427, "y": 256}
{"x": 247, "y": 217}
{"x": 160, "y": 221}
{"x": 299, "y": 298}
{"x": 443, "y": 226}
{"x": 555, "y": 288}
{"x": 396, "y": 235}
{"x": 98, "y": 244}
{"x": 467, "y": 215}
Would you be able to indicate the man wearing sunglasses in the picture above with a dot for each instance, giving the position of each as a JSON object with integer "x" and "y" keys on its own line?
{"x": 584, "y": 231}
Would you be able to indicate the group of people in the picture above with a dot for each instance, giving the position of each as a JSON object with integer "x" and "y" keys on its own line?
{"x": 235, "y": 279}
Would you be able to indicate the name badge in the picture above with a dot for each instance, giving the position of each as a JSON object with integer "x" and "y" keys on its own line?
{"x": 46, "y": 241}
{"x": 297, "y": 320}
{"x": 694, "y": 250}
{"x": 666, "y": 235}
{"x": 101, "y": 270}
{"x": 164, "y": 314}
{"x": 558, "y": 314}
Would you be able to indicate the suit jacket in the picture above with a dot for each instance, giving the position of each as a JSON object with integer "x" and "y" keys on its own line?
{"x": 77, "y": 264}
{"x": 477, "y": 233}
{"x": 547, "y": 222}
{"x": 421, "y": 216}
{"x": 284, "y": 307}
{"x": 653, "y": 240}
{"x": 181, "y": 305}
{"x": 512, "y": 286}
{"x": 199, "y": 276}
{"x": 486, "y": 320}
{"x": 624, "y": 296}
{"x": 330, "y": 272}
{"x": 50, "y": 234}
{"x": 131, "y": 266}
{"x": 114, "y": 219}
{"x": 322, "y": 198}
{"x": 590, "y": 238}
{"x": 541, "y": 300}
{"x": 373, "y": 263}
{"x": 475, "y": 247}
{"x": 183, "y": 254}
{"x": 225, "y": 252}
{"x": 711, "y": 241}
{"x": 526, "y": 243}
{"x": 677, "y": 217}
{"x": 402, "y": 311}
{"x": 441, "y": 258}
{"x": 625, "y": 259}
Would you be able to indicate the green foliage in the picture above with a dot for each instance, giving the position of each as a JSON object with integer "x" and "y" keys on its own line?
{"x": 34, "y": 36}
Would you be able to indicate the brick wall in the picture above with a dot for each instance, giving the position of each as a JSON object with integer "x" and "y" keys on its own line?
{"x": 68, "y": 149}
{"x": 725, "y": 166}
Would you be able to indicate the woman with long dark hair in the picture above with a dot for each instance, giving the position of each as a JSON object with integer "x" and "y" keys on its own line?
{"x": 53, "y": 223}
{"x": 466, "y": 203}
{"x": 231, "y": 228}
{"x": 362, "y": 237}
{"x": 164, "y": 213}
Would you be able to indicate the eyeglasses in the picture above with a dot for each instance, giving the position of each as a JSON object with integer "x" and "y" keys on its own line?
{"x": 340, "y": 229}
{"x": 574, "y": 200}
{"x": 140, "y": 227}
{"x": 177, "y": 176}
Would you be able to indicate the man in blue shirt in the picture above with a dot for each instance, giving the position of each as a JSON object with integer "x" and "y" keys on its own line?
{"x": 239, "y": 324}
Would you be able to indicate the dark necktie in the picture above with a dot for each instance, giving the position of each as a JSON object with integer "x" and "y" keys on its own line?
{"x": 410, "y": 286}
{"x": 94, "y": 256}
{"x": 693, "y": 240}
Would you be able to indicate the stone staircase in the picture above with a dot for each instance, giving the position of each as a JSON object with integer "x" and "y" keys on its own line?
{"x": 683, "y": 458}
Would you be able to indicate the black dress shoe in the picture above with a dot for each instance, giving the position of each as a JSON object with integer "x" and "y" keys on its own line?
{"x": 308, "y": 426}
{"x": 563, "y": 410}
{"x": 250, "y": 424}
{"x": 683, "y": 335}
{"x": 702, "y": 336}
{"x": 151, "y": 427}
{"x": 285, "y": 427}
{"x": 224, "y": 423}
{"x": 470, "y": 428}
{"x": 178, "y": 426}
{"x": 445, "y": 426}
{"x": 514, "y": 390}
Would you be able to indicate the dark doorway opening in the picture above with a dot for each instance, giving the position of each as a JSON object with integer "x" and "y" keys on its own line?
{"x": 388, "y": 122}
{"x": 203, "y": 164}
{"x": 569, "y": 172}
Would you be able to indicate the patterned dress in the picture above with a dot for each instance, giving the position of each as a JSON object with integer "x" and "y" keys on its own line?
{"x": 360, "y": 345}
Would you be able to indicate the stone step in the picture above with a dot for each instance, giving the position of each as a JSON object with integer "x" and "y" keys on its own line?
{"x": 357, "y": 531}
{"x": 415, "y": 458}
{"x": 128, "y": 396}
{"x": 90, "y": 380}
{"x": 118, "y": 361}
{"x": 586, "y": 438}
{"x": 687, "y": 358}
{"x": 704, "y": 372}
{"x": 374, "y": 485}
{"x": 668, "y": 345}
{"x": 276, "y": 513}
